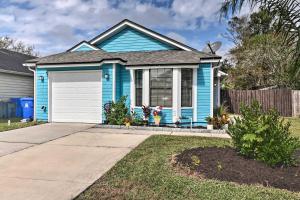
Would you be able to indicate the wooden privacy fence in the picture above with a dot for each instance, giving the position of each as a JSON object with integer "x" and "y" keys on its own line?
{"x": 286, "y": 102}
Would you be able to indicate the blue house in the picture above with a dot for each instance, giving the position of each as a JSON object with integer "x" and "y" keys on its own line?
{"x": 126, "y": 60}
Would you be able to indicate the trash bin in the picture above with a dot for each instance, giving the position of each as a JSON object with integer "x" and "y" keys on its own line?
{"x": 27, "y": 107}
{"x": 19, "y": 110}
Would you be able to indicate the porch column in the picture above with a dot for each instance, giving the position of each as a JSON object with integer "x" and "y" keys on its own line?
{"x": 176, "y": 94}
{"x": 114, "y": 73}
{"x": 132, "y": 89}
{"x": 146, "y": 88}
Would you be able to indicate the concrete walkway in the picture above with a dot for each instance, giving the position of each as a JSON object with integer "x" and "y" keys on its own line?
{"x": 58, "y": 161}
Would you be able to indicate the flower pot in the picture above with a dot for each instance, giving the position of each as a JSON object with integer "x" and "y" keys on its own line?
{"x": 225, "y": 127}
{"x": 210, "y": 127}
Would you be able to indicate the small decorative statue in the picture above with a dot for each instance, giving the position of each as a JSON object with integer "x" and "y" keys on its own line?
{"x": 157, "y": 114}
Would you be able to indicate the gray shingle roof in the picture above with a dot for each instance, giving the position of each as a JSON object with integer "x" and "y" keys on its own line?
{"x": 138, "y": 58}
{"x": 13, "y": 61}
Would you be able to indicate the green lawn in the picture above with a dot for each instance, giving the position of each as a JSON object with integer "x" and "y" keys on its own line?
{"x": 146, "y": 173}
{"x": 15, "y": 124}
{"x": 295, "y": 125}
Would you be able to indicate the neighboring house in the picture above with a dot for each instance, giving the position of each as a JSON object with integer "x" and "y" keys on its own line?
{"x": 15, "y": 80}
{"x": 126, "y": 60}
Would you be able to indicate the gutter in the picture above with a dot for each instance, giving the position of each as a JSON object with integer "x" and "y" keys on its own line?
{"x": 29, "y": 65}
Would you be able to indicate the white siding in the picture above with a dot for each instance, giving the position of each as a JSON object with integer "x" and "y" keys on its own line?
{"x": 12, "y": 85}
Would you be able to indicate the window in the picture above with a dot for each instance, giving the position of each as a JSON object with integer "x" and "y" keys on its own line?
{"x": 186, "y": 87}
{"x": 138, "y": 87}
{"x": 161, "y": 81}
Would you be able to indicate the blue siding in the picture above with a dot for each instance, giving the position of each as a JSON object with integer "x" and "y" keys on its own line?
{"x": 123, "y": 83}
{"x": 42, "y": 95}
{"x": 166, "y": 115}
{"x": 84, "y": 47}
{"x": 186, "y": 113}
{"x": 106, "y": 85}
{"x": 130, "y": 39}
{"x": 203, "y": 92}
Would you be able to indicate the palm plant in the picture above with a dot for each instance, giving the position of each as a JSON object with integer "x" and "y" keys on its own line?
{"x": 286, "y": 17}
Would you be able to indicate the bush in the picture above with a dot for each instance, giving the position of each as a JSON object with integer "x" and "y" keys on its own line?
{"x": 263, "y": 136}
{"x": 116, "y": 112}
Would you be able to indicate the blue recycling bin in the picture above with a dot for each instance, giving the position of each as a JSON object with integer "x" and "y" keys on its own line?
{"x": 27, "y": 107}
{"x": 19, "y": 110}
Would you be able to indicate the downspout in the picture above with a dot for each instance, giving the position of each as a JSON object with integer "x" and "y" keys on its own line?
{"x": 212, "y": 86}
{"x": 34, "y": 91}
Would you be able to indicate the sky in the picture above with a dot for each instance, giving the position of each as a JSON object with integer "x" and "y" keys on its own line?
{"x": 54, "y": 26}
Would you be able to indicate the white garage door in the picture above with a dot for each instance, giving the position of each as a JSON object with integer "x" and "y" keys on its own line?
{"x": 75, "y": 96}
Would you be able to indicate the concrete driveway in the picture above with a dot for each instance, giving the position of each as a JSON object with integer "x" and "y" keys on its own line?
{"x": 58, "y": 161}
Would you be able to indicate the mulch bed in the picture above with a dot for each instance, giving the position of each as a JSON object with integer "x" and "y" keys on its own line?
{"x": 226, "y": 165}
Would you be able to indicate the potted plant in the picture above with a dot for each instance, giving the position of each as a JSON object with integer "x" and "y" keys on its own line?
{"x": 210, "y": 125}
{"x": 146, "y": 114}
{"x": 157, "y": 115}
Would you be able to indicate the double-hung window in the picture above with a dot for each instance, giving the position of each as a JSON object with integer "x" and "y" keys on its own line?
{"x": 138, "y": 87}
{"x": 186, "y": 87}
{"x": 161, "y": 85}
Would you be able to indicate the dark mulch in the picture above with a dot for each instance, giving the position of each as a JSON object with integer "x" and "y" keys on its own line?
{"x": 226, "y": 165}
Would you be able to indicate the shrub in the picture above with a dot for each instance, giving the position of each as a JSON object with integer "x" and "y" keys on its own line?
{"x": 116, "y": 112}
{"x": 263, "y": 136}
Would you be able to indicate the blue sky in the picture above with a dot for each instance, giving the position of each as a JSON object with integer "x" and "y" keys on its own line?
{"x": 56, "y": 25}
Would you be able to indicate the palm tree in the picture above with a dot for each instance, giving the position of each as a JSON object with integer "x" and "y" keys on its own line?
{"x": 286, "y": 15}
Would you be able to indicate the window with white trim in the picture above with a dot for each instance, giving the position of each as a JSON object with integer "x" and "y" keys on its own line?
{"x": 138, "y": 87}
{"x": 186, "y": 87}
{"x": 161, "y": 85}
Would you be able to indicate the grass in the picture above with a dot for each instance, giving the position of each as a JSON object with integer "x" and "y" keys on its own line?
{"x": 146, "y": 173}
{"x": 295, "y": 125}
{"x": 15, "y": 124}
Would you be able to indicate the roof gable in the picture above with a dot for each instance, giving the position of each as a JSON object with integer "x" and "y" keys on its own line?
{"x": 83, "y": 46}
{"x": 130, "y": 39}
{"x": 131, "y": 33}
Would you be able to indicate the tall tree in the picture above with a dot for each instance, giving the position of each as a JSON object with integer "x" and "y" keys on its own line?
{"x": 18, "y": 46}
{"x": 286, "y": 16}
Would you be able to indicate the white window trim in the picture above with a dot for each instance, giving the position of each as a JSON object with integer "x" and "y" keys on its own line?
{"x": 146, "y": 87}
{"x": 195, "y": 95}
{"x": 154, "y": 35}
{"x": 176, "y": 94}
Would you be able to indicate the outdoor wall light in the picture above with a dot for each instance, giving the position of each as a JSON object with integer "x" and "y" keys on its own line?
{"x": 41, "y": 78}
{"x": 106, "y": 76}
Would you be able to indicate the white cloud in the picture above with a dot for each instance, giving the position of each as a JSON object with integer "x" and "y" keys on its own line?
{"x": 56, "y": 25}
{"x": 177, "y": 37}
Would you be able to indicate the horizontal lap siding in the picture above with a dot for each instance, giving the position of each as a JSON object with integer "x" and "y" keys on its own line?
{"x": 132, "y": 40}
{"x": 12, "y": 85}
{"x": 84, "y": 48}
{"x": 106, "y": 85}
{"x": 186, "y": 113}
{"x": 166, "y": 115}
{"x": 125, "y": 83}
{"x": 42, "y": 95}
{"x": 203, "y": 92}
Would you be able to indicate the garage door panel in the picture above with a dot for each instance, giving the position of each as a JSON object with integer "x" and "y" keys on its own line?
{"x": 76, "y": 96}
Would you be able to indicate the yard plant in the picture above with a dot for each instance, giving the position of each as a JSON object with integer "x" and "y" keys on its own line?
{"x": 116, "y": 112}
{"x": 264, "y": 136}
